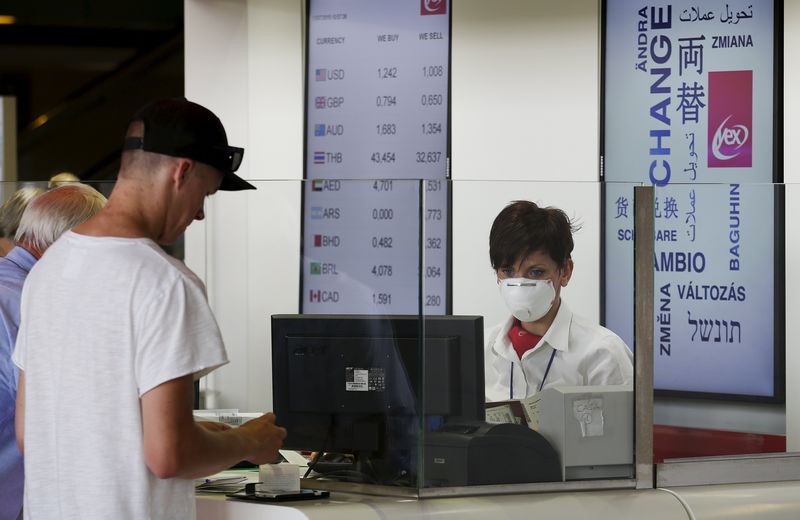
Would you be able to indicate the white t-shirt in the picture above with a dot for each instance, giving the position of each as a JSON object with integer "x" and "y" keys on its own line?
{"x": 585, "y": 354}
{"x": 104, "y": 320}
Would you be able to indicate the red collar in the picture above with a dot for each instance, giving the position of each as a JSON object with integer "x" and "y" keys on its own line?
{"x": 521, "y": 339}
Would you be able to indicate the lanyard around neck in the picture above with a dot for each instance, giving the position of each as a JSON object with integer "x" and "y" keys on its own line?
{"x": 544, "y": 378}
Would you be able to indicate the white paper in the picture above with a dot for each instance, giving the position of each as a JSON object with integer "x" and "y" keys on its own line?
{"x": 530, "y": 406}
{"x": 500, "y": 415}
{"x": 279, "y": 477}
{"x": 294, "y": 457}
{"x": 589, "y": 414}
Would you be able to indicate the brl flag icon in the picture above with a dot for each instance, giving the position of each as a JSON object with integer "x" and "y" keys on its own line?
{"x": 316, "y": 268}
{"x": 317, "y": 185}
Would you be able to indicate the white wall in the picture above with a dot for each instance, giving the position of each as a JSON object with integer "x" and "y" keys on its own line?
{"x": 525, "y": 84}
{"x": 791, "y": 135}
{"x": 244, "y": 60}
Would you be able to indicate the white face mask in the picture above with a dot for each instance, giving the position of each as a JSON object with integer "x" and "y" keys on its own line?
{"x": 528, "y": 300}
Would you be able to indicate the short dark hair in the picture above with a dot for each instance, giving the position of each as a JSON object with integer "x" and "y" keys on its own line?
{"x": 523, "y": 228}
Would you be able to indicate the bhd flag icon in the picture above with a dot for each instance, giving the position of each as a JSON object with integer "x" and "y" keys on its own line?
{"x": 319, "y": 157}
{"x": 319, "y": 130}
{"x": 316, "y": 212}
{"x": 319, "y": 102}
{"x": 317, "y": 240}
{"x": 317, "y": 185}
{"x": 316, "y": 268}
{"x": 314, "y": 296}
{"x": 320, "y": 74}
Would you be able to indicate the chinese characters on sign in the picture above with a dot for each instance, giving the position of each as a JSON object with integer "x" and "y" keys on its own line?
{"x": 686, "y": 119}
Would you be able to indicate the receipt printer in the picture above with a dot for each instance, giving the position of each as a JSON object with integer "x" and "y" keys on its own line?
{"x": 478, "y": 453}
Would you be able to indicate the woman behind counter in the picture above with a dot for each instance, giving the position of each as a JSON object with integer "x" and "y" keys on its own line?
{"x": 543, "y": 343}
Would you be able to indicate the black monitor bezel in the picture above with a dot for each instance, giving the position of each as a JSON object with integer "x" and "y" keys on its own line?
{"x": 471, "y": 381}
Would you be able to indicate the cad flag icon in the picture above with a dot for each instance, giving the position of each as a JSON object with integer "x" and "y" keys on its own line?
{"x": 317, "y": 185}
{"x": 319, "y": 157}
{"x": 320, "y": 74}
{"x": 314, "y": 296}
{"x": 428, "y": 7}
{"x": 730, "y": 119}
{"x": 319, "y": 130}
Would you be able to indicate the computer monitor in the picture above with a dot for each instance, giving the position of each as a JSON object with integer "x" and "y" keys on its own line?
{"x": 368, "y": 385}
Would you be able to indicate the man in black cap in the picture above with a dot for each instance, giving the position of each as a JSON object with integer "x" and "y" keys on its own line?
{"x": 114, "y": 332}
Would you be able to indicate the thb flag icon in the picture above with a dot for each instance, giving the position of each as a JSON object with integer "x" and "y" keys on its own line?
{"x": 730, "y": 119}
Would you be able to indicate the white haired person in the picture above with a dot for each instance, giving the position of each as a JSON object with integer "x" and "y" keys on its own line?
{"x": 10, "y": 213}
{"x": 47, "y": 216}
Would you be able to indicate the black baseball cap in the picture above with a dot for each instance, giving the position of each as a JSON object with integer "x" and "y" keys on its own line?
{"x": 181, "y": 128}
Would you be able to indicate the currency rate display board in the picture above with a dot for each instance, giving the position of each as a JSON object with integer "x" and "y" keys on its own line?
{"x": 375, "y": 201}
{"x": 688, "y": 108}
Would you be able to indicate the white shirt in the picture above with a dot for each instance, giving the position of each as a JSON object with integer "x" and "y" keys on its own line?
{"x": 585, "y": 354}
{"x": 105, "y": 320}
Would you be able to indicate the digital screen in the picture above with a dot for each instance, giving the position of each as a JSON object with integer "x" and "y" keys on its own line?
{"x": 376, "y": 198}
{"x": 688, "y": 108}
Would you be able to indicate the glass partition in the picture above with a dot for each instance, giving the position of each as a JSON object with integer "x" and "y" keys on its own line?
{"x": 559, "y": 410}
{"x": 326, "y": 286}
{"x": 721, "y": 309}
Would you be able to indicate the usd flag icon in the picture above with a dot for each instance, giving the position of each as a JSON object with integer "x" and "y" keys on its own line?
{"x": 319, "y": 130}
{"x": 319, "y": 74}
{"x": 319, "y": 157}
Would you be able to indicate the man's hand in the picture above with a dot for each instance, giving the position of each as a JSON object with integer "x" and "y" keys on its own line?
{"x": 266, "y": 438}
{"x": 213, "y": 426}
{"x": 175, "y": 446}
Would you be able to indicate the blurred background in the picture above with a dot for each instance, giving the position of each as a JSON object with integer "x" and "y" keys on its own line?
{"x": 78, "y": 70}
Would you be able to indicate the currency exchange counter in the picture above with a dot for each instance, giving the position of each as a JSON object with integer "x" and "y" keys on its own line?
{"x": 765, "y": 501}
